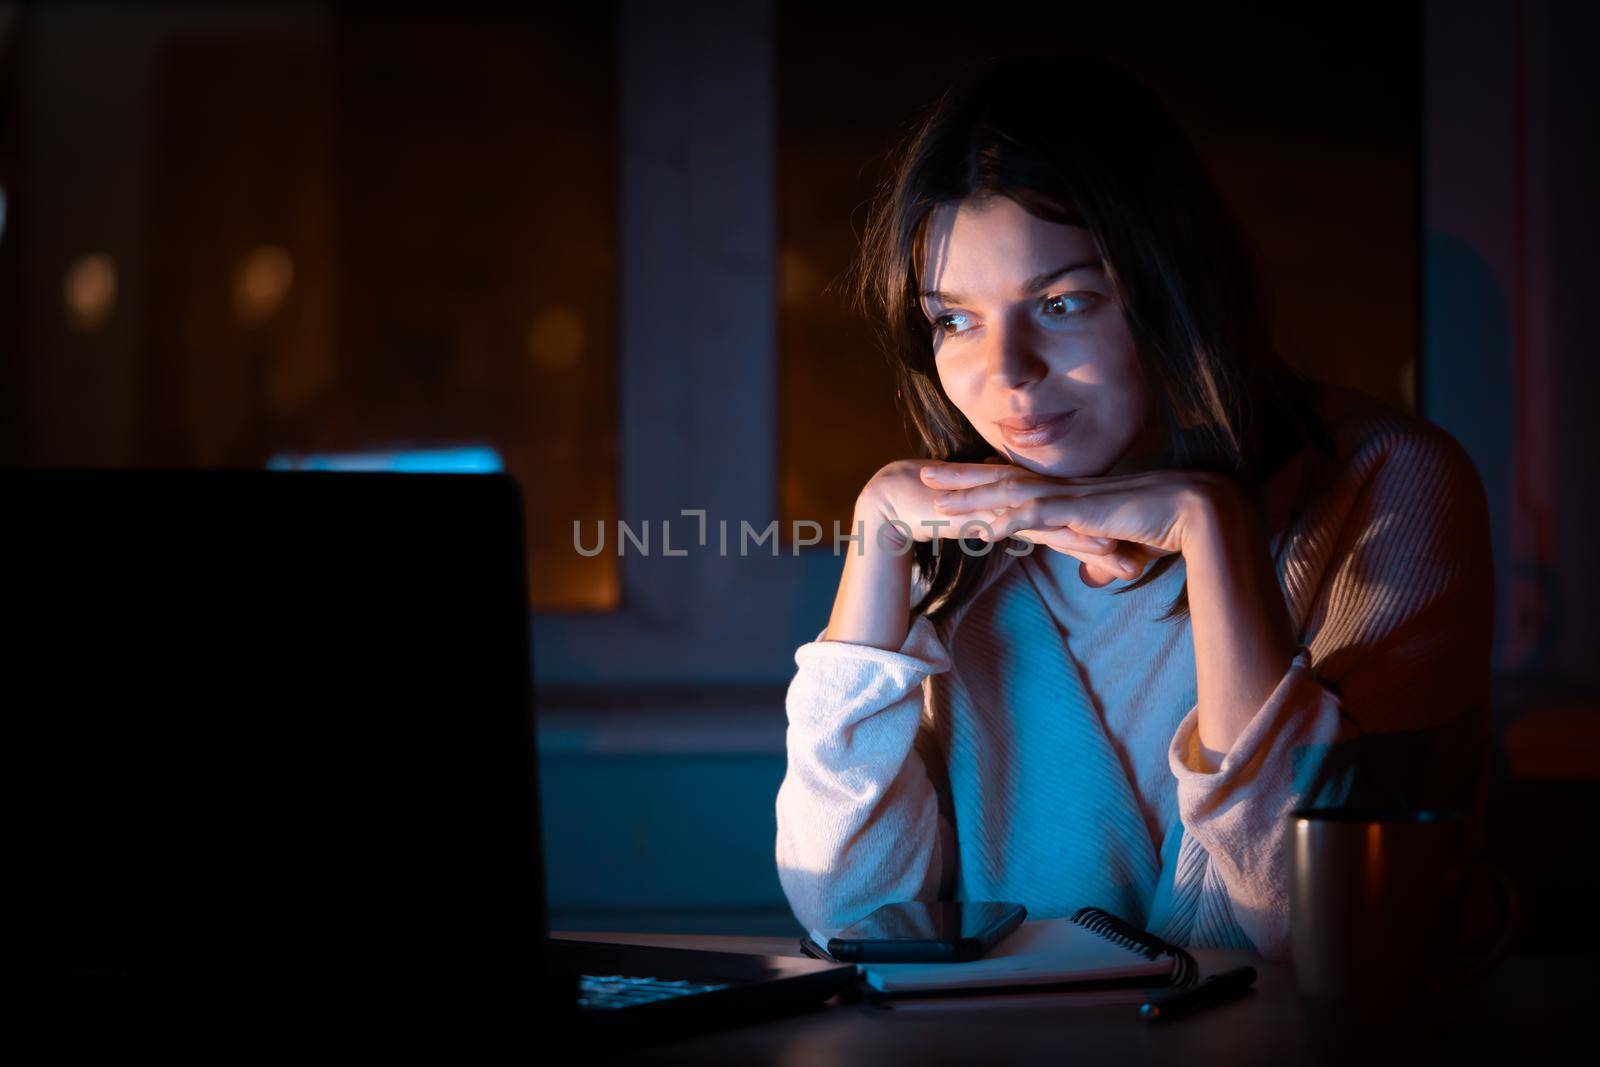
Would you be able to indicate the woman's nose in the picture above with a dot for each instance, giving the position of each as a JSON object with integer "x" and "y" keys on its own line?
{"x": 1013, "y": 361}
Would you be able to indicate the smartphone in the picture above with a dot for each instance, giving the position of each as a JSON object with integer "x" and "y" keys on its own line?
{"x": 946, "y": 931}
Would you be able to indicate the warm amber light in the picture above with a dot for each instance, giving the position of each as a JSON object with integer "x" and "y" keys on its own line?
{"x": 1374, "y": 874}
{"x": 555, "y": 340}
{"x": 89, "y": 291}
{"x": 261, "y": 283}
{"x": 797, "y": 281}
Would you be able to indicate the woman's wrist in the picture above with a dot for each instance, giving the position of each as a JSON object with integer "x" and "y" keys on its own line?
{"x": 1213, "y": 508}
{"x": 881, "y": 530}
{"x": 1242, "y": 632}
{"x": 872, "y": 606}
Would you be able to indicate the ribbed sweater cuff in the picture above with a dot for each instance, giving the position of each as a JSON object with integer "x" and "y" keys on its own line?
{"x": 1299, "y": 705}
{"x": 921, "y": 653}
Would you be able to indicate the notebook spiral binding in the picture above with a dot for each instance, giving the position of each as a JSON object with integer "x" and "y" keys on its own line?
{"x": 1124, "y": 933}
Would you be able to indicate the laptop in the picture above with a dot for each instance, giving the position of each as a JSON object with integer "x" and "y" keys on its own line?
{"x": 276, "y": 776}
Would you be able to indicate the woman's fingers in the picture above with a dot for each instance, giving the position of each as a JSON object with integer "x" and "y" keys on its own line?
{"x": 1014, "y": 489}
{"x": 1044, "y": 514}
{"x": 942, "y": 475}
{"x": 1006, "y": 492}
{"x": 980, "y": 526}
{"x": 962, "y": 475}
{"x": 1123, "y": 560}
{"x": 999, "y": 523}
{"x": 1064, "y": 540}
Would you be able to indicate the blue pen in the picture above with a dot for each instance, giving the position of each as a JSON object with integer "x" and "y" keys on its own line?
{"x": 1219, "y": 987}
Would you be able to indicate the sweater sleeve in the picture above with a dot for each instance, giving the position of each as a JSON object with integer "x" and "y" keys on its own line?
{"x": 1392, "y": 681}
{"x": 859, "y": 824}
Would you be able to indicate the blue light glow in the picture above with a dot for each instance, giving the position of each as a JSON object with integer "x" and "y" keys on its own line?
{"x": 472, "y": 459}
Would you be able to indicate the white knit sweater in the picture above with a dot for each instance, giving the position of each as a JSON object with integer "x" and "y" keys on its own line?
{"x": 1014, "y": 751}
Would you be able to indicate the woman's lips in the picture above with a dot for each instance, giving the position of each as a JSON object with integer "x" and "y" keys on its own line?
{"x": 1034, "y": 431}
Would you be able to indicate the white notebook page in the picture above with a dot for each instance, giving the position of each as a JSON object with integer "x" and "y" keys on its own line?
{"x": 1039, "y": 952}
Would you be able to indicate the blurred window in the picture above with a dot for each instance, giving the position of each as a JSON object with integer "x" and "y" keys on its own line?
{"x": 297, "y": 231}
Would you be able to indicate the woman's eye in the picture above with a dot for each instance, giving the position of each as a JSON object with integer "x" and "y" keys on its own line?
{"x": 1065, "y": 305}
{"x": 1062, "y": 306}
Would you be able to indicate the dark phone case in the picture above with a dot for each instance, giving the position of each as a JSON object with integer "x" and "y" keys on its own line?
{"x": 814, "y": 950}
{"x": 960, "y": 950}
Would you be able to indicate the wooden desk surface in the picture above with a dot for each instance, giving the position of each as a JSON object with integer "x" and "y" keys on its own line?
{"x": 1526, "y": 1006}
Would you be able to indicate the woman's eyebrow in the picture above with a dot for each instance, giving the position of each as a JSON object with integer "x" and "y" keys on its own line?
{"x": 1038, "y": 281}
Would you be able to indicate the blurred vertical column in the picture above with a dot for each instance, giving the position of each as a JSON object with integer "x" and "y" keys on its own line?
{"x": 1510, "y": 370}
{"x": 86, "y": 76}
{"x": 13, "y": 428}
{"x": 87, "y": 80}
{"x": 697, "y": 300}
{"x": 1510, "y": 254}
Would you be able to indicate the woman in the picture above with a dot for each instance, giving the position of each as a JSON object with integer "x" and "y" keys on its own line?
{"x": 1163, "y": 590}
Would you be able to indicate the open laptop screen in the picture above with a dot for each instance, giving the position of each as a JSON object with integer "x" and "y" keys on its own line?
{"x": 271, "y": 728}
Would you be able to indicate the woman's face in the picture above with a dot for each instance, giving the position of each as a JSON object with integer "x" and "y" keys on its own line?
{"x": 1031, "y": 345}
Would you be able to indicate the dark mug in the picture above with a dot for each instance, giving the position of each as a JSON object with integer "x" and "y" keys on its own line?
{"x": 1376, "y": 905}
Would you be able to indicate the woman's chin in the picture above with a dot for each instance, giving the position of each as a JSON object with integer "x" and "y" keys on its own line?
{"x": 1056, "y": 462}
{"x": 1074, "y": 455}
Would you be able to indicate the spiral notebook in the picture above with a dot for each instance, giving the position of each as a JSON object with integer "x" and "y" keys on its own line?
{"x": 1092, "y": 949}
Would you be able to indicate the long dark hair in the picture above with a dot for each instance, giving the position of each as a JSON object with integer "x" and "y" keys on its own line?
{"x": 1079, "y": 142}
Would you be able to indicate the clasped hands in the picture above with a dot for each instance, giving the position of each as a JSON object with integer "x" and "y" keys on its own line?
{"x": 1115, "y": 524}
